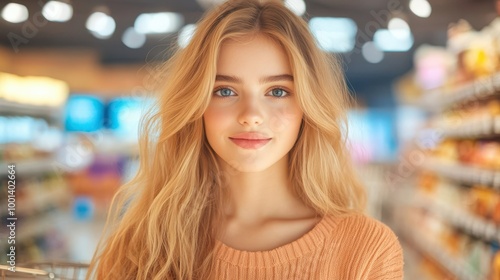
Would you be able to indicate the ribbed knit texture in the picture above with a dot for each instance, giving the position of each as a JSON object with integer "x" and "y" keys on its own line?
{"x": 352, "y": 247}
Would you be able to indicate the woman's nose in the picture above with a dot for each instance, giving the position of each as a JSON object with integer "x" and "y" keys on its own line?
{"x": 251, "y": 112}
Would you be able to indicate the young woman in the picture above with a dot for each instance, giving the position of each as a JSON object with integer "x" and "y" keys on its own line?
{"x": 244, "y": 169}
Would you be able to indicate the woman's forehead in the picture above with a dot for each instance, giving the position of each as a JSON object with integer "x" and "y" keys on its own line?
{"x": 257, "y": 53}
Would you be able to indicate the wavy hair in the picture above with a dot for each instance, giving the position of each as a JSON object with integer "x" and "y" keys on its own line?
{"x": 163, "y": 223}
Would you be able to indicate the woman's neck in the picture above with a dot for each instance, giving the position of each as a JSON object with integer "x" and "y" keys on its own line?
{"x": 257, "y": 197}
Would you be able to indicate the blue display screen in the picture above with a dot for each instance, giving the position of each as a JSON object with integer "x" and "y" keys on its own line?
{"x": 84, "y": 113}
{"x": 124, "y": 115}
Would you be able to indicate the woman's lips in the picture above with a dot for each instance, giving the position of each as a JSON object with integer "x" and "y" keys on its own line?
{"x": 250, "y": 143}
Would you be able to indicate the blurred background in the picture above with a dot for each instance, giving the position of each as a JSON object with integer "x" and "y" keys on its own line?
{"x": 425, "y": 134}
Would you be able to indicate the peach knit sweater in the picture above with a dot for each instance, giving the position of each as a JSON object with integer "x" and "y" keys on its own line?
{"x": 352, "y": 247}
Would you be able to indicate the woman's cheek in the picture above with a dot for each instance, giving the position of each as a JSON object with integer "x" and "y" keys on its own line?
{"x": 283, "y": 118}
{"x": 220, "y": 114}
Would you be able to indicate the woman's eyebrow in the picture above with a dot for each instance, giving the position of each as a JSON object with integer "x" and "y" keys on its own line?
{"x": 267, "y": 79}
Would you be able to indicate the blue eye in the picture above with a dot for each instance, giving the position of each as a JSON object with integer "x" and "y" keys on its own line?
{"x": 278, "y": 92}
{"x": 224, "y": 92}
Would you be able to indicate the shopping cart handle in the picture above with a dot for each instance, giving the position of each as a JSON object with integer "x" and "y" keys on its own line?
{"x": 26, "y": 270}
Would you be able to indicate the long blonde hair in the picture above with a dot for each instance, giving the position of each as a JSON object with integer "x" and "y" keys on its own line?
{"x": 163, "y": 223}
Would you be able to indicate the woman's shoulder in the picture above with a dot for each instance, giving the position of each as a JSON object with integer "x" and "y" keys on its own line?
{"x": 361, "y": 225}
{"x": 363, "y": 230}
{"x": 363, "y": 240}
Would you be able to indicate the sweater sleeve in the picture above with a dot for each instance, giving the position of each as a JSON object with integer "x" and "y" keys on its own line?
{"x": 388, "y": 264}
{"x": 368, "y": 249}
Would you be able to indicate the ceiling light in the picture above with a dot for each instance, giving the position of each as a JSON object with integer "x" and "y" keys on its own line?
{"x": 185, "y": 35}
{"x": 334, "y": 34}
{"x": 101, "y": 25}
{"x": 155, "y": 23}
{"x": 57, "y": 11}
{"x": 15, "y": 13}
{"x": 298, "y": 7}
{"x": 35, "y": 90}
{"x": 399, "y": 28}
{"x": 133, "y": 39}
{"x": 372, "y": 53}
{"x": 421, "y": 8}
{"x": 387, "y": 42}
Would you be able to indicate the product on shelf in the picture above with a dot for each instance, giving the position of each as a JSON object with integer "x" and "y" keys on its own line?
{"x": 477, "y": 153}
{"x": 427, "y": 182}
{"x": 465, "y": 151}
{"x": 476, "y": 51}
{"x": 447, "y": 150}
{"x": 495, "y": 266}
{"x": 483, "y": 201}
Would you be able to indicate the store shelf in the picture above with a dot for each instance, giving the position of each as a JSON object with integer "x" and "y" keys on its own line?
{"x": 485, "y": 127}
{"x": 33, "y": 227}
{"x": 464, "y": 173}
{"x": 457, "y": 267}
{"x": 440, "y": 99}
{"x": 41, "y": 202}
{"x": 59, "y": 195}
{"x": 29, "y": 167}
{"x": 19, "y": 109}
{"x": 459, "y": 218}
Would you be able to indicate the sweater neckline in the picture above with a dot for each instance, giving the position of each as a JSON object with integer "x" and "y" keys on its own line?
{"x": 282, "y": 254}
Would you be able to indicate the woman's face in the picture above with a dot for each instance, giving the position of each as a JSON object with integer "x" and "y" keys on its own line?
{"x": 253, "y": 93}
